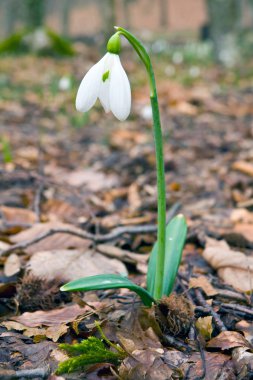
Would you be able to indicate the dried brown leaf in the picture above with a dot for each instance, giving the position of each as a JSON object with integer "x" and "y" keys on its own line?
{"x": 16, "y": 216}
{"x": 53, "y": 317}
{"x": 233, "y": 267}
{"x": 245, "y": 229}
{"x": 68, "y": 265}
{"x": 56, "y": 241}
{"x": 203, "y": 283}
{"x": 243, "y": 167}
{"x": 90, "y": 178}
{"x": 227, "y": 340}
{"x": 12, "y": 265}
{"x": 53, "y": 332}
{"x": 217, "y": 366}
{"x": 204, "y": 326}
{"x": 247, "y": 329}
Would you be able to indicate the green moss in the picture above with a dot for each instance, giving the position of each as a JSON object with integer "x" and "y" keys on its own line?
{"x": 88, "y": 352}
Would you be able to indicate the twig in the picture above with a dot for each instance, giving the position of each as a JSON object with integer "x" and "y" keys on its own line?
{"x": 174, "y": 342}
{"x": 37, "y": 201}
{"x": 241, "y": 309}
{"x": 117, "y": 232}
{"x": 33, "y": 373}
{"x": 215, "y": 316}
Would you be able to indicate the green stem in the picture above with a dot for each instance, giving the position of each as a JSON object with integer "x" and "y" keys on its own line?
{"x": 161, "y": 188}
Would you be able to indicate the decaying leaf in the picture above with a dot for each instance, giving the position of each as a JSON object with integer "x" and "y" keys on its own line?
{"x": 241, "y": 215}
{"x": 204, "y": 326}
{"x": 12, "y": 265}
{"x": 214, "y": 366}
{"x": 243, "y": 361}
{"x": 69, "y": 265}
{"x": 56, "y": 241}
{"x": 227, "y": 340}
{"x": 17, "y": 216}
{"x": 244, "y": 167}
{"x": 203, "y": 283}
{"x": 247, "y": 329}
{"x": 50, "y": 324}
{"x": 233, "y": 267}
{"x": 53, "y": 332}
{"x": 53, "y": 317}
{"x": 145, "y": 364}
{"x": 244, "y": 229}
{"x": 90, "y": 178}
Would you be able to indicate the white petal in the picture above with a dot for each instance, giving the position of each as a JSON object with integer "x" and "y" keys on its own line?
{"x": 89, "y": 88}
{"x": 104, "y": 94}
{"x": 119, "y": 92}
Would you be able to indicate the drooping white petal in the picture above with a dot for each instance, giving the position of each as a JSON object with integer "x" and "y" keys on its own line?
{"x": 104, "y": 94}
{"x": 119, "y": 91}
{"x": 89, "y": 88}
{"x": 104, "y": 85}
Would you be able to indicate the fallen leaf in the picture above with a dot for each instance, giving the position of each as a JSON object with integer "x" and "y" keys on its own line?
{"x": 227, "y": 340}
{"x": 68, "y": 265}
{"x": 203, "y": 283}
{"x": 243, "y": 362}
{"x": 243, "y": 167}
{"x": 145, "y": 364}
{"x": 17, "y": 216}
{"x": 12, "y": 265}
{"x": 247, "y": 329}
{"x": 233, "y": 267}
{"x": 90, "y": 178}
{"x": 53, "y": 317}
{"x": 53, "y": 332}
{"x": 244, "y": 229}
{"x": 217, "y": 366}
{"x": 241, "y": 215}
{"x": 204, "y": 326}
{"x": 56, "y": 241}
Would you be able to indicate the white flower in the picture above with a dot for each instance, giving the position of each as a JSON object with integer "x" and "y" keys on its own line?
{"x": 107, "y": 81}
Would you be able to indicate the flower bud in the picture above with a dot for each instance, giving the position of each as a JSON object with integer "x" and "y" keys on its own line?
{"x": 114, "y": 45}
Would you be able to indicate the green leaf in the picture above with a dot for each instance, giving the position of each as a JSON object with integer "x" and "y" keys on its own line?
{"x": 108, "y": 281}
{"x": 87, "y": 352}
{"x": 176, "y": 232}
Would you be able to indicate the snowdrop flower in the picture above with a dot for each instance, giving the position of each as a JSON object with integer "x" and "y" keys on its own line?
{"x": 107, "y": 81}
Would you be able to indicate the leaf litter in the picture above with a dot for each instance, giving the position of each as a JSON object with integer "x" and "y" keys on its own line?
{"x": 105, "y": 179}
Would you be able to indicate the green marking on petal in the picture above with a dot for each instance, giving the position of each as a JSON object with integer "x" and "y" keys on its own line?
{"x": 105, "y": 76}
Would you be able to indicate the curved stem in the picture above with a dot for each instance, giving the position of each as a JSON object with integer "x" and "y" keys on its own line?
{"x": 161, "y": 188}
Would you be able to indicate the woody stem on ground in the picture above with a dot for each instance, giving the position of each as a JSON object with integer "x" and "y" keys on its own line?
{"x": 161, "y": 189}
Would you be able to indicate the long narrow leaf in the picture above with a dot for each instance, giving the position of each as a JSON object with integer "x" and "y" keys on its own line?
{"x": 176, "y": 232}
{"x": 108, "y": 281}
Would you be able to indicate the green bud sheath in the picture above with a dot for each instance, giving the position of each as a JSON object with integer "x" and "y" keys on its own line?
{"x": 114, "y": 44}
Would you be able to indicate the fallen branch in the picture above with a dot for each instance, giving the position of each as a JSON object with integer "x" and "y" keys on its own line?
{"x": 98, "y": 238}
{"x": 220, "y": 325}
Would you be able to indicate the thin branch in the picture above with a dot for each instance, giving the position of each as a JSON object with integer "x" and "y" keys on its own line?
{"x": 117, "y": 232}
{"x": 220, "y": 325}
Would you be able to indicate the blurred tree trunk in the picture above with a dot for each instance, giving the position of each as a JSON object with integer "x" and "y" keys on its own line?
{"x": 34, "y": 12}
{"x": 65, "y": 10}
{"x": 126, "y": 14}
{"x": 9, "y": 17}
{"x": 250, "y": 2}
{"x": 225, "y": 20}
{"x": 108, "y": 12}
{"x": 164, "y": 9}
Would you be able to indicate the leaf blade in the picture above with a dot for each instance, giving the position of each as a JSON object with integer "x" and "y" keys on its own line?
{"x": 108, "y": 281}
{"x": 176, "y": 231}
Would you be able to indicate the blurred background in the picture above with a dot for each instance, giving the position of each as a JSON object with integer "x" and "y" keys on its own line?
{"x": 225, "y": 22}
{"x": 202, "y": 56}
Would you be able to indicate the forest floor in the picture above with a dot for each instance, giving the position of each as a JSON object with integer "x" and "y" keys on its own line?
{"x": 61, "y": 170}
